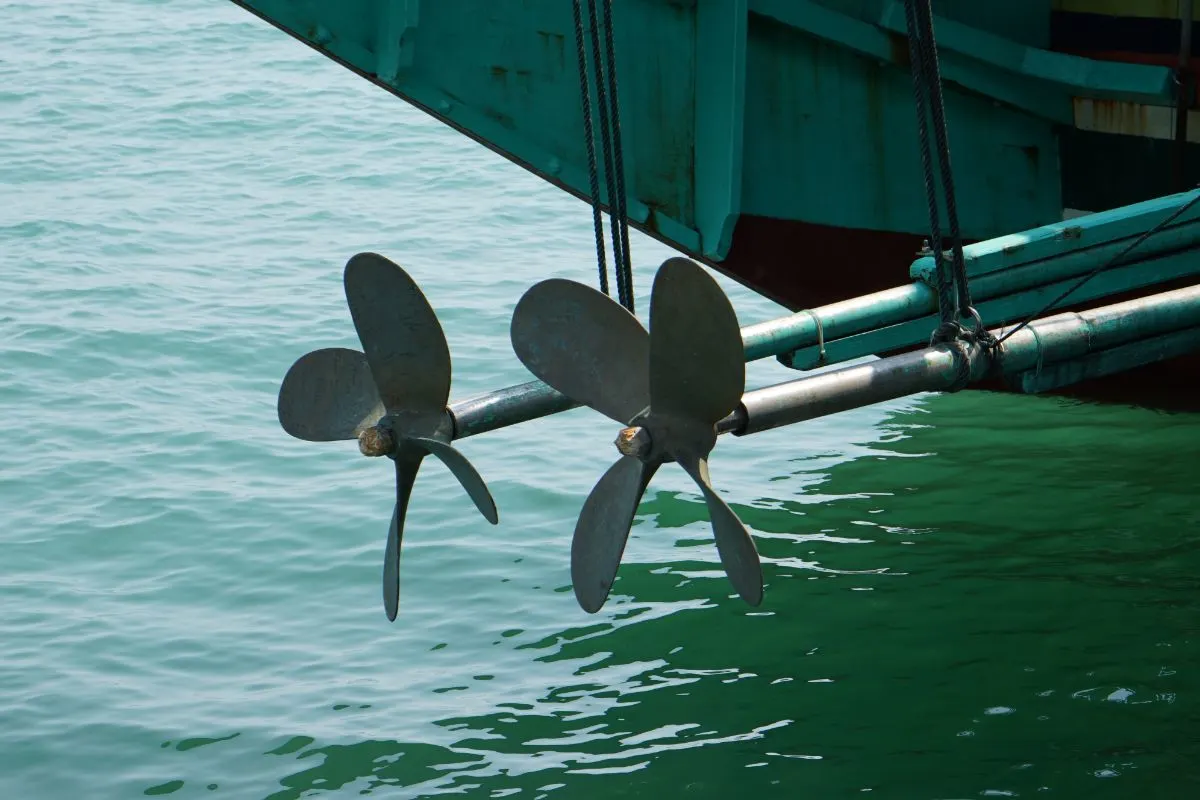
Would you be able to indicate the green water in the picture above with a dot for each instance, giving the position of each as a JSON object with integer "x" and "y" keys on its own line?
{"x": 968, "y": 596}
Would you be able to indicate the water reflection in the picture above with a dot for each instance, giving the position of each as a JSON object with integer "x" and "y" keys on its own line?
{"x": 935, "y": 624}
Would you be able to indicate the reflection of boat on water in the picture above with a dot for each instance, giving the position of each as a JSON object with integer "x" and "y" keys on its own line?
{"x": 944, "y": 624}
{"x": 775, "y": 141}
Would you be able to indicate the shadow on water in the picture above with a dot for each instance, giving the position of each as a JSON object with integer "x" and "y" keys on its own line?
{"x": 1002, "y": 604}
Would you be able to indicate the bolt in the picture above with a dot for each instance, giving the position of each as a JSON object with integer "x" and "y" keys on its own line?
{"x": 634, "y": 442}
{"x": 376, "y": 441}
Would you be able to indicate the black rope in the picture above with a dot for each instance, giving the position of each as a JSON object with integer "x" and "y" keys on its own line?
{"x": 606, "y": 144}
{"x": 625, "y": 268}
{"x": 589, "y": 134}
{"x": 1112, "y": 262}
{"x": 944, "y": 286}
{"x": 933, "y": 78}
{"x": 953, "y": 285}
{"x": 954, "y": 289}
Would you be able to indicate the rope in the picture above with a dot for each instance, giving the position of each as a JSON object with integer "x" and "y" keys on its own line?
{"x": 953, "y": 285}
{"x": 625, "y": 268}
{"x": 606, "y": 144}
{"x": 589, "y": 134}
{"x": 954, "y": 291}
{"x": 962, "y": 364}
{"x": 944, "y": 286}
{"x": 1118, "y": 258}
{"x": 933, "y": 79}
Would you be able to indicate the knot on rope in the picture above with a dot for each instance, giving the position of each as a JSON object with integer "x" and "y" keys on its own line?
{"x": 950, "y": 273}
{"x": 961, "y": 350}
{"x": 975, "y": 333}
{"x": 960, "y": 339}
{"x": 948, "y": 331}
{"x": 979, "y": 334}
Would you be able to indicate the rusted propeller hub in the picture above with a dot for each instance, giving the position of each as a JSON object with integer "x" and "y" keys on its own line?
{"x": 634, "y": 441}
{"x": 376, "y": 441}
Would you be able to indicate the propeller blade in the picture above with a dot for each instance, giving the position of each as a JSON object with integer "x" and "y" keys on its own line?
{"x": 603, "y": 529}
{"x": 736, "y": 547}
{"x": 400, "y": 334}
{"x": 585, "y": 345}
{"x": 329, "y": 395}
{"x": 464, "y": 471}
{"x": 697, "y": 363}
{"x": 408, "y": 461}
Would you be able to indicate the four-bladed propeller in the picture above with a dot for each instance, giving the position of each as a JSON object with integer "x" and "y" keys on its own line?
{"x": 670, "y": 386}
{"x": 391, "y": 397}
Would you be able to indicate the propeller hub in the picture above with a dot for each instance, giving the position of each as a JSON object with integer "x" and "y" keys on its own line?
{"x": 634, "y": 441}
{"x": 376, "y": 441}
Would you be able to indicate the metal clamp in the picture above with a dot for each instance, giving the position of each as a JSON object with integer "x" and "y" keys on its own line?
{"x": 821, "y": 360}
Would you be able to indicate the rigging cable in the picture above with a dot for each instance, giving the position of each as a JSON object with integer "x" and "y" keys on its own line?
{"x": 927, "y": 84}
{"x": 933, "y": 80}
{"x": 606, "y": 143}
{"x": 920, "y": 92}
{"x": 954, "y": 294}
{"x": 589, "y": 134}
{"x": 625, "y": 268}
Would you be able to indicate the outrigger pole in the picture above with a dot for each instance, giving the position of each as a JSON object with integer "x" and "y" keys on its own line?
{"x": 675, "y": 388}
{"x": 1011, "y": 278}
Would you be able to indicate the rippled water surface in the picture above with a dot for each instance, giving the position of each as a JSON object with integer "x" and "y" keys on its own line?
{"x": 973, "y": 595}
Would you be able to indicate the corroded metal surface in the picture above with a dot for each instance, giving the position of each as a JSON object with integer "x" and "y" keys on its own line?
{"x": 403, "y": 371}
{"x": 696, "y": 376}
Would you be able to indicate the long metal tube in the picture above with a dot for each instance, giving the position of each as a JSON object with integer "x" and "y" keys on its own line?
{"x": 928, "y": 370}
{"x": 508, "y": 406}
{"x": 527, "y": 401}
{"x": 903, "y": 304}
{"x": 1056, "y": 339}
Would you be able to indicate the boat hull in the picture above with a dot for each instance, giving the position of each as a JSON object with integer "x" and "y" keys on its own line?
{"x": 775, "y": 140}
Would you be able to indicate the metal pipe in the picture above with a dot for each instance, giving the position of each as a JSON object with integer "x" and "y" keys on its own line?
{"x": 1055, "y": 340}
{"x": 1107, "y": 362}
{"x": 1064, "y": 337}
{"x": 902, "y": 304}
{"x": 836, "y": 320}
{"x": 528, "y": 401}
{"x": 928, "y": 370}
{"x": 508, "y": 406}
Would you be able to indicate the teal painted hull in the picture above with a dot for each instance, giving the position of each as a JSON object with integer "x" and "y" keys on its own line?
{"x": 774, "y": 140}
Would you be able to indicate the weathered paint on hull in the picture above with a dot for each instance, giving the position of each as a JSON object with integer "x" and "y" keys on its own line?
{"x": 774, "y": 140}
{"x": 771, "y": 139}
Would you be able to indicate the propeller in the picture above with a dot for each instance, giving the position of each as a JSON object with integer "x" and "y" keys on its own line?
{"x": 391, "y": 397}
{"x": 670, "y": 386}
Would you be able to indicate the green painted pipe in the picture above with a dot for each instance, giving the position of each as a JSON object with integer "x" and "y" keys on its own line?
{"x": 527, "y": 401}
{"x": 1014, "y": 276}
{"x": 1107, "y": 362}
{"x": 1059, "y": 340}
{"x": 1018, "y": 273}
{"x": 837, "y": 320}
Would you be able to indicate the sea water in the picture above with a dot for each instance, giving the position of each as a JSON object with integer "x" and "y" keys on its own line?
{"x": 967, "y": 595}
